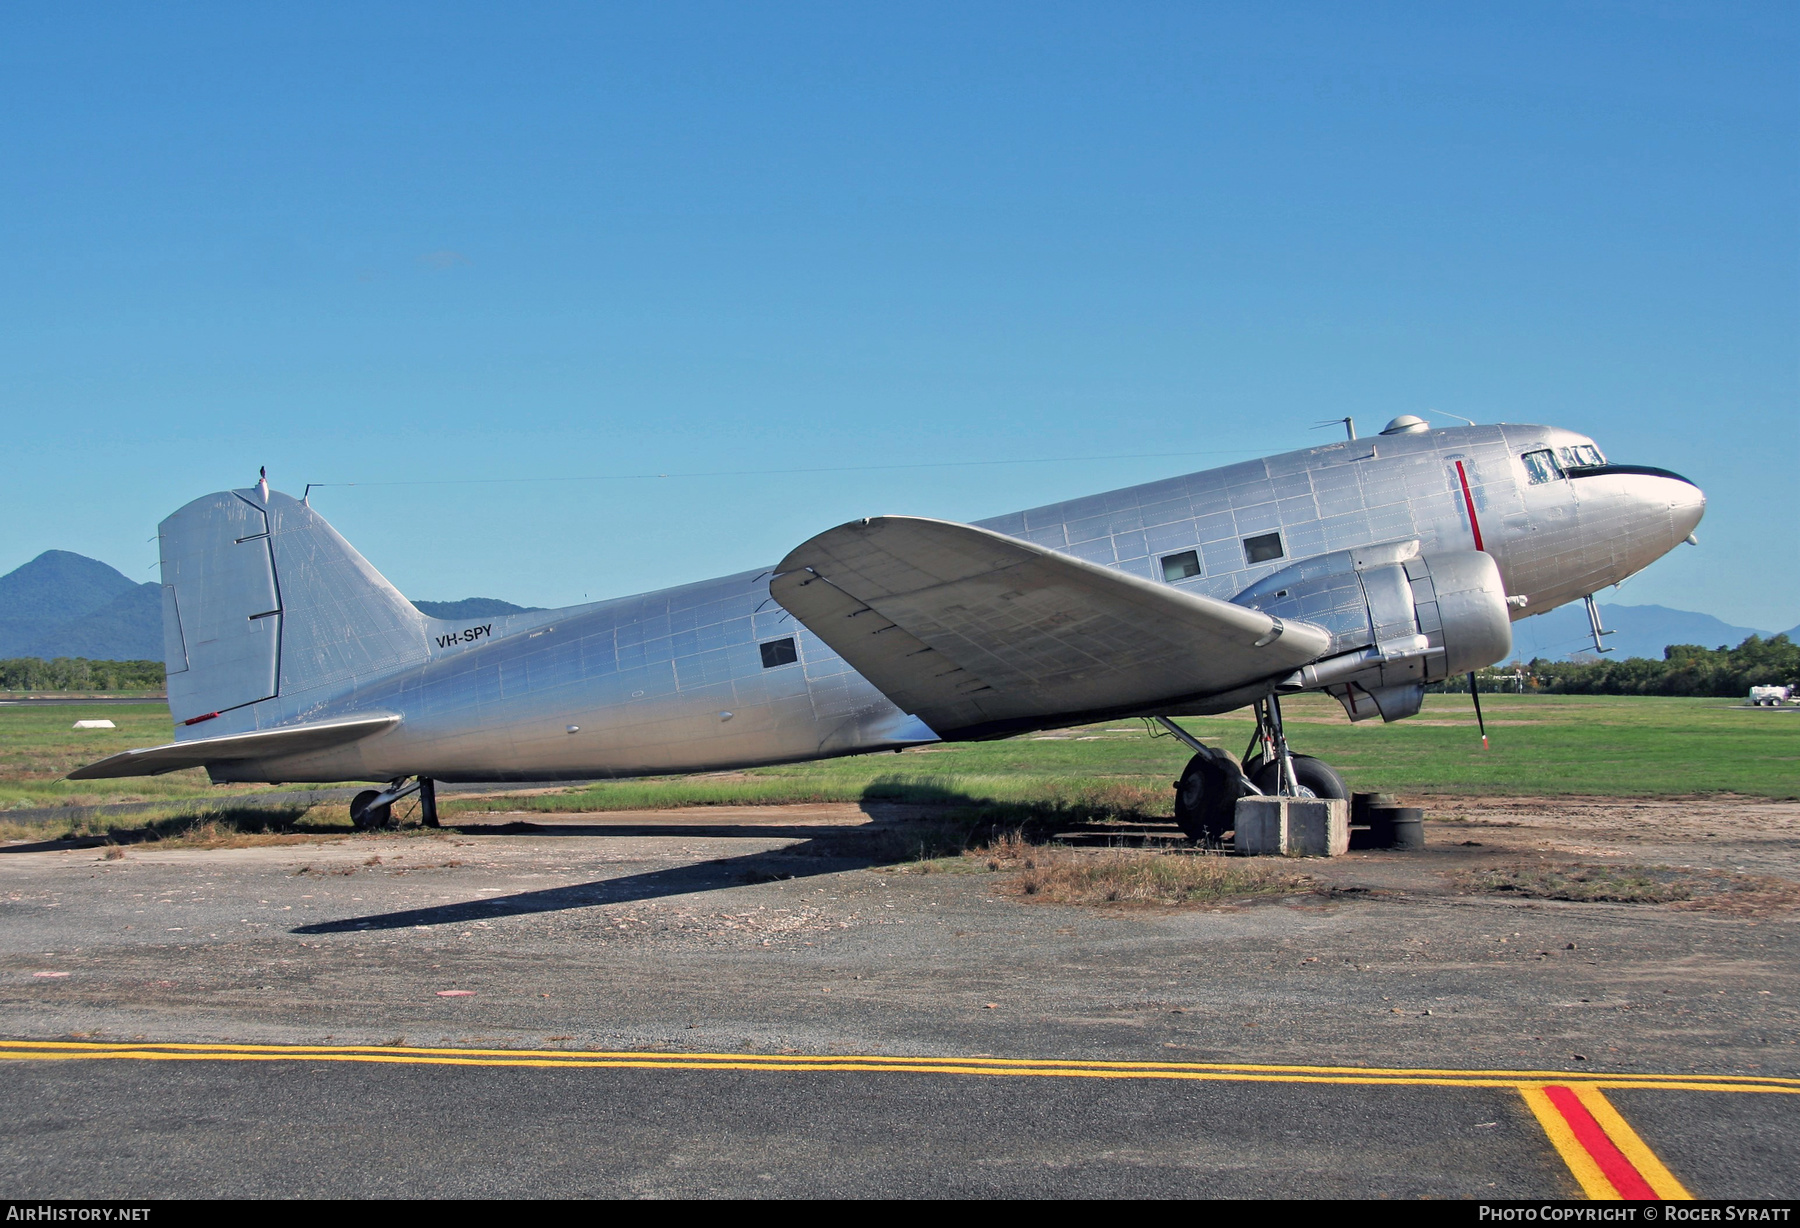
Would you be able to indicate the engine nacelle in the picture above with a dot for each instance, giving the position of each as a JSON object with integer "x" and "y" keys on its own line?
{"x": 1399, "y": 620}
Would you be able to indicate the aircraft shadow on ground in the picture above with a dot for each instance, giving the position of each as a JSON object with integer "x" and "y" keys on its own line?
{"x": 799, "y": 861}
{"x": 821, "y": 850}
{"x": 941, "y": 823}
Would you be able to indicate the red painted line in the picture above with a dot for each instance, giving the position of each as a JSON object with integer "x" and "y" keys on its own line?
{"x": 1469, "y": 502}
{"x": 1620, "y": 1171}
{"x": 196, "y": 720}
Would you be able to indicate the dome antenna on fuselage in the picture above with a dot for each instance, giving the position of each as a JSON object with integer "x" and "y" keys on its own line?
{"x": 1412, "y": 424}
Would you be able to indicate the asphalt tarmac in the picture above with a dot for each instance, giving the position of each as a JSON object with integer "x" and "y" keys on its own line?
{"x": 519, "y": 1012}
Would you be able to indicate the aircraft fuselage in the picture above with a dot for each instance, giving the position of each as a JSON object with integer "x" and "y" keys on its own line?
{"x": 717, "y": 675}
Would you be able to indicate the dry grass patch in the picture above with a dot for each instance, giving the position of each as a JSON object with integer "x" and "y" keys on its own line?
{"x": 1592, "y": 884}
{"x": 1744, "y": 895}
{"x": 216, "y": 834}
{"x": 208, "y": 827}
{"x": 1714, "y": 891}
{"x": 1061, "y": 875}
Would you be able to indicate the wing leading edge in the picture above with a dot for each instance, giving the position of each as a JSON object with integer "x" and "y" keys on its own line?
{"x": 980, "y": 634}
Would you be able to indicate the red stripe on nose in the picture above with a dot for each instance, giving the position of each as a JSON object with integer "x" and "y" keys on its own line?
{"x": 1469, "y": 502}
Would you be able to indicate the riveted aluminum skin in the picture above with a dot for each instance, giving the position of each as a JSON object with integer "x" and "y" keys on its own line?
{"x": 273, "y": 621}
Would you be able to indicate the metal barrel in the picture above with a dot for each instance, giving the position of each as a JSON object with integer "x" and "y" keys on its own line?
{"x": 1364, "y": 834}
{"x": 1398, "y": 827}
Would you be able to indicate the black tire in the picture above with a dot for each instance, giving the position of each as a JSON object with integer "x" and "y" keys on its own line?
{"x": 1315, "y": 777}
{"x": 1206, "y": 796}
{"x": 365, "y": 816}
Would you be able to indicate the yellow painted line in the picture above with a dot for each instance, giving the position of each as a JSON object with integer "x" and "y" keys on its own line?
{"x": 1586, "y": 1172}
{"x": 865, "y": 1063}
{"x": 673, "y": 1063}
{"x": 1627, "y": 1141}
{"x": 1580, "y": 1158}
{"x": 1635, "y": 1171}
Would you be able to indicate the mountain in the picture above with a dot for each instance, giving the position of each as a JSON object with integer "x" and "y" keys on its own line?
{"x": 55, "y": 588}
{"x": 127, "y": 628}
{"x": 1642, "y": 631}
{"x": 471, "y": 607}
{"x": 67, "y": 605}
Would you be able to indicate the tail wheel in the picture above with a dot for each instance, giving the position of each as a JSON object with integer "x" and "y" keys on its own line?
{"x": 1315, "y": 777}
{"x": 365, "y": 816}
{"x": 1206, "y": 796}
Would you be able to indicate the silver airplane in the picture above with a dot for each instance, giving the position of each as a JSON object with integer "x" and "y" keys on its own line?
{"x": 1366, "y": 569}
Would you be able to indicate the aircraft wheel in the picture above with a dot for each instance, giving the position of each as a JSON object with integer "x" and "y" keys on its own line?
{"x": 1315, "y": 777}
{"x": 365, "y": 816}
{"x": 1206, "y": 796}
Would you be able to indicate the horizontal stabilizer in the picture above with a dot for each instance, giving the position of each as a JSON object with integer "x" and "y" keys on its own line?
{"x": 263, "y": 744}
{"x": 978, "y": 633}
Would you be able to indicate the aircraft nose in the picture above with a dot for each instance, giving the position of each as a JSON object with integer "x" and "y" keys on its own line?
{"x": 1656, "y": 511}
{"x": 1687, "y": 504}
{"x": 1662, "y": 493}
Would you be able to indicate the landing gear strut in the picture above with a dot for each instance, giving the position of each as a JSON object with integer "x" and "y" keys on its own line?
{"x": 1275, "y": 769}
{"x": 1206, "y": 795}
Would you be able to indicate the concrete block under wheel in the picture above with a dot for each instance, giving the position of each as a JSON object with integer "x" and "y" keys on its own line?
{"x": 1292, "y": 826}
{"x": 1317, "y": 826}
{"x": 1261, "y": 826}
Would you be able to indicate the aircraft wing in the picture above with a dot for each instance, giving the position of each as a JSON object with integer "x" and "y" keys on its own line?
{"x": 261, "y": 744}
{"x": 978, "y": 634}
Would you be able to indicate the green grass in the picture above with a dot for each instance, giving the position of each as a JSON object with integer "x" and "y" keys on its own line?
{"x": 39, "y": 747}
{"x": 1551, "y": 744}
{"x": 1564, "y": 744}
{"x": 1546, "y": 745}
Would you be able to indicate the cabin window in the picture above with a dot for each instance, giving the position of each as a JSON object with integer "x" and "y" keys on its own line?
{"x": 779, "y": 652}
{"x": 1183, "y": 566}
{"x": 1581, "y": 456}
{"x": 1262, "y": 549}
{"x": 1541, "y": 467}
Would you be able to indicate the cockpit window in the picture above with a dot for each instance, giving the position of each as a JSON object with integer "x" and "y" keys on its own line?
{"x": 1581, "y": 456}
{"x": 1541, "y": 467}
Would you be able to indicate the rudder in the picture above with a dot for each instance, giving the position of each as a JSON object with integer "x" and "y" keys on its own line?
{"x": 263, "y": 600}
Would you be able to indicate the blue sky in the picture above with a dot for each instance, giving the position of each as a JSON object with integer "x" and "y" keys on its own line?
{"x": 447, "y": 244}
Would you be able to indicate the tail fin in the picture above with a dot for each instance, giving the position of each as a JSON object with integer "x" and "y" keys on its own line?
{"x": 263, "y": 600}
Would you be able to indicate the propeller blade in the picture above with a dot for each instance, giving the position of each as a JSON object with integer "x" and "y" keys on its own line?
{"x": 1475, "y": 695}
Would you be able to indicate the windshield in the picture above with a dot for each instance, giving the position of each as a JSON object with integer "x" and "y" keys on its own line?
{"x": 1581, "y": 456}
{"x": 1541, "y": 467}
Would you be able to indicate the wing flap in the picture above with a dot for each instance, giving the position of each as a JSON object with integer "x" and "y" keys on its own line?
{"x": 973, "y": 631}
{"x": 262, "y": 744}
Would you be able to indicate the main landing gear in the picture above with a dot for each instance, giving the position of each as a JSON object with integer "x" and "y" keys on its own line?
{"x": 1207, "y": 793}
{"x": 374, "y": 808}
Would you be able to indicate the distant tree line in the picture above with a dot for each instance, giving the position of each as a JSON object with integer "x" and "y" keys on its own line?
{"x": 1685, "y": 669}
{"x": 79, "y": 674}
